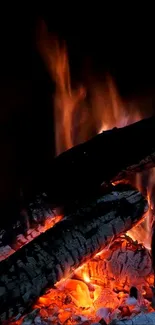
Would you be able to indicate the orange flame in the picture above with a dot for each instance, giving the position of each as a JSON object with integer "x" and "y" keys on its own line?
{"x": 108, "y": 111}
{"x": 145, "y": 183}
{"x": 105, "y": 109}
{"x": 78, "y": 112}
{"x": 66, "y": 100}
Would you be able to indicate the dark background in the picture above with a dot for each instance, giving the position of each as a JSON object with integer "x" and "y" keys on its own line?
{"x": 121, "y": 44}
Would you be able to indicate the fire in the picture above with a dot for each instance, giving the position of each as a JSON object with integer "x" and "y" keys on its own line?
{"x": 76, "y": 115}
{"x": 21, "y": 240}
{"x": 66, "y": 100}
{"x": 86, "y": 277}
{"x": 102, "y": 285}
{"x": 145, "y": 183}
{"x": 100, "y": 288}
{"x": 91, "y": 105}
{"x": 78, "y": 111}
{"x": 51, "y": 222}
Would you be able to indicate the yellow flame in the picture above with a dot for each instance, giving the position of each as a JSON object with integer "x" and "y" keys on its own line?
{"x": 86, "y": 277}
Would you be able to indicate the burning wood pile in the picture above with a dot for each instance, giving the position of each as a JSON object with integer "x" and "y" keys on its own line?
{"x": 100, "y": 290}
{"x": 85, "y": 264}
{"x": 72, "y": 256}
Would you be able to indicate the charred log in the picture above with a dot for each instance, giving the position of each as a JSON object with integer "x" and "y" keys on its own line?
{"x": 27, "y": 223}
{"x": 109, "y": 156}
{"x": 123, "y": 265}
{"x": 79, "y": 172}
{"x": 55, "y": 254}
{"x": 120, "y": 265}
{"x": 11, "y": 242}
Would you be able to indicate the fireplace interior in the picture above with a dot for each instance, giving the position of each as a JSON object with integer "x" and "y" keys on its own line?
{"x": 83, "y": 265}
{"x": 79, "y": 248}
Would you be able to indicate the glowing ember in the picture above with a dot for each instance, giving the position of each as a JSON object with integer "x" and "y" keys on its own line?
{"x": 103, "y": 287}
{"x": 22, "y": 240}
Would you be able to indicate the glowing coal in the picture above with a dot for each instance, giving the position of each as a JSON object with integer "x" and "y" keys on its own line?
{"x": 102, "y": 288}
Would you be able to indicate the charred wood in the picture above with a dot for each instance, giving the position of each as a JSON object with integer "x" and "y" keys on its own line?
{"x": 27, "y": 223}
{"x": 109, "y": 156}
{"x": 77, "y": 174}
{"x": 123, "y": 264}
{"x": 53, "y": 255}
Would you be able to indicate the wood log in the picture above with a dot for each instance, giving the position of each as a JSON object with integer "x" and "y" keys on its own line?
{"x": 28, "y": 222}
{"x": 53, "y": 255}
{"x": 123, "y": 261}
{"x": 115, "y": 270}
{"x": 11, "y": 242}
{"x": 109, "y": 156}
{"x": 143, "y": 319}
{"x": 79, "y": 172}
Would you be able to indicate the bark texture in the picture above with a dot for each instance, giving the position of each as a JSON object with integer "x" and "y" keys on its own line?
{"x": 28, "y": 222}
{"x": 53, "y": 255}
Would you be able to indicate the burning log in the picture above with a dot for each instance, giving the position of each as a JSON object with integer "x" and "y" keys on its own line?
{"x": 101, "y": 289}
{"x": 109, "y": 156}
{"x": 55, "y": 254}
{"x": 79, "y": 172}
{"x": 143, "y": 319}
{"x": 124, "y": 264}
{"x": 30, "y": 222}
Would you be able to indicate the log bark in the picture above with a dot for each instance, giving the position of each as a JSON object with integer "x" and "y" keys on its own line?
{"x": 56, "y": 253}
{"x": 109, "y": 156}
{"x": 28, "y": 222}
{"x": 143, "y": 319}
{"x": 12, "y": 241}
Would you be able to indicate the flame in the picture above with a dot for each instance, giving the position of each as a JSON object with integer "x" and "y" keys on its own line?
{"x": 78, "y": 111}
{"x": 51, "y": 222}
{"x": 75, "y": 119}
{"x": 96, "y": 105}
{"x": 66, "y": 100}
{"x": 110, "y": 109}
{"x": 145, "y": 183}
{"x": 85, "y": 276}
